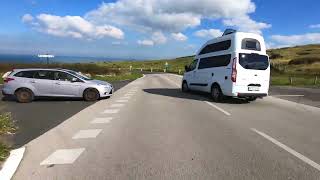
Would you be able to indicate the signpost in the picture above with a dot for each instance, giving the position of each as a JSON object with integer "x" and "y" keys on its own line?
{"x": 47, "y": 56}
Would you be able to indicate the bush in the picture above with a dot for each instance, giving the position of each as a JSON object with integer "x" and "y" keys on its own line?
{"x": 275, "y": 56}
{"x": 304, "y": 60}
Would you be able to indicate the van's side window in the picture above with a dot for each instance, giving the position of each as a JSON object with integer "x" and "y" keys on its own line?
{"x": 220, "y": 46}
{"x": 214, "y": 61}
{"x": 251, "y": 44}
{"x": 193, "y": 65}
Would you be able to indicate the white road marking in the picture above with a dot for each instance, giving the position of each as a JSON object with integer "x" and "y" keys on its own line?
{"x": 288, "y": 95}
{"x": 11, "y": 164}
{"x": 289, "y": 150}
{"x": 111, "y": 111}
{"x": 117, "y": 105}
{"x": 122, "y": 101}
{"x": 129, "y": 94}
{"x": 101, "y": 120}
{"x": 218, "y": 108}
{"x": 126, "y": 97}
{"x": 63, "y": 156}
{"x": 84, "y": 134}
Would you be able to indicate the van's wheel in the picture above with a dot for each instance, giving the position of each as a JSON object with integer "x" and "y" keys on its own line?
{"x": 185, "y": 87}
{"x": 91, "y": 95}
{"x": 251, "y": 98}
{"x": 24, "y": 95}
{"x": 216, "y": 93}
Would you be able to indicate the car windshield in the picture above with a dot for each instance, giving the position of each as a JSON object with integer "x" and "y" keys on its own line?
{"x": 254, "y": 61}
{"x": 80, "y": 75}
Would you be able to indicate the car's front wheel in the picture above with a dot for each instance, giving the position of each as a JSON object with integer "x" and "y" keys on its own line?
{"x": 24, "y": 95}
{"x": 91, "y": 95}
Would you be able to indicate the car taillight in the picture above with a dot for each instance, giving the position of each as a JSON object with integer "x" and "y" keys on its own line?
{"x": 6, "y": 80}
{"x": 234, "y": 70}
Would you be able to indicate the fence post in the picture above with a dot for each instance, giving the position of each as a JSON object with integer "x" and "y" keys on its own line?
{"x": 291, "y": 80}
{"x": 179, "y": 71}
{"x": 315, "y": 80}
{"x": 164, "y": 70}
{"x": 151, "y": 70}
{"x": 141, "y": 69}
{"x": 130, "y": 68}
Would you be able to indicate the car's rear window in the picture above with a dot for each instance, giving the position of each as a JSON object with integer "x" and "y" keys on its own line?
{"x": 251, "y": 44}
{"x": 254, "y": 61}
{"x": 25, "y": 74}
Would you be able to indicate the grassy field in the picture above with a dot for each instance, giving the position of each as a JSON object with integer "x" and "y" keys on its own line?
{"x": 121, "y": 77}
{"x": 6, "y": 126}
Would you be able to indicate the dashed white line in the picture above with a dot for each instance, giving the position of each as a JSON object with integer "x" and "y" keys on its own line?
{"x": 117, "y": 105}
{"x": 63, "y": 156}
{"x": 122, "y": 101}
{"x": 126, "y": 97}
{"x": 218, "y": 108}
{"x": 101, "y": 120}
{"x": 288, "y": 95}
{"x": 84, "y": 134}
{"x": 11, "y": 164}
{"x": 111, "y": 111}
{"x": 288, "y": 149}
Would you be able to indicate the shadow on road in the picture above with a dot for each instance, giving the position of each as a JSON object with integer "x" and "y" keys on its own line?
{"x": 199, "y": 96}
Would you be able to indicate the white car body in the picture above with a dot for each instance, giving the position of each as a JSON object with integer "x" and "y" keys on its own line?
{"x": 238, "y": 65}
{"x": 54, "y": 87}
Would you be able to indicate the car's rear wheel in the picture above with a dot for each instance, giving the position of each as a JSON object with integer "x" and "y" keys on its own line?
{"x": 91, "y": 95}
{"x": 216, "y": 93}
{"x": 185, "y": 87}
{"x": 24, "y": 95}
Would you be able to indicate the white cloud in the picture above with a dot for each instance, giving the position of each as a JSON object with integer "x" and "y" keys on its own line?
{"x": 246, "y": 24}
{"x": 315, "y": 26}
{"x": 145, "y": 42}
{"x": 292, "y": 40}
{"x": 179, "y": 36}
{"x": 27, "y": 18}
{"x": 172, "y": 15}
{"x": 208, "y": 33}
{"x": 71, "y": 26}
{"x": 159, "y": 38}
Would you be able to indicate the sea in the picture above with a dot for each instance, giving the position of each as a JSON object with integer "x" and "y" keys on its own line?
{"x": 25, "y": 59}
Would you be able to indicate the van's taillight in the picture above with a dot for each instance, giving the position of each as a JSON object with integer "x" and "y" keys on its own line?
{"x": 234, "y": 70}
{"x": 6, "y": 80}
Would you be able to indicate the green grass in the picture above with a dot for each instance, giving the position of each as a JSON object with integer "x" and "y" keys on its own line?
{"x": 297, "y": 80}
{"x": 120, "y": 77}
{"x": 7, "y": 126}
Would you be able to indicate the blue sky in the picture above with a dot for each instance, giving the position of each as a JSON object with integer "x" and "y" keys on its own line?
{"x": 142, "y": 29}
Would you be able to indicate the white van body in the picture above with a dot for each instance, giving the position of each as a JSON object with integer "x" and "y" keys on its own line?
{"x": 237, "y": 63}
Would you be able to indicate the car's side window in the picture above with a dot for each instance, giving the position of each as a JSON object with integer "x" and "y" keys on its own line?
{"x": 62, "y": 76}
{"x": 25, "y": 74}
{"x": 48, "y": 75}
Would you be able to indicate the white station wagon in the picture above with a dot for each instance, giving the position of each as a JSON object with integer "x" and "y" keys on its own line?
{"x": 26, "y": 84}
{"x": 235, "y": 64}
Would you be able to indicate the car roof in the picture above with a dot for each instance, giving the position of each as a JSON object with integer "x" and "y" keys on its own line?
{"x": 45, "y": 69}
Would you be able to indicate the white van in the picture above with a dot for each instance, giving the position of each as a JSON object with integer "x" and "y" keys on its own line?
{"x": 235, "y": 64}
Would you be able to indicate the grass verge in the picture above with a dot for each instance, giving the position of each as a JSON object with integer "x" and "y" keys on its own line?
{"x": 295, "y": 80}
{"x": 6, "y": 127}
{"x": 119, "y": 77}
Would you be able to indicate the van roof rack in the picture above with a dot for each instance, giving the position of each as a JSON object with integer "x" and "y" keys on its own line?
{"x": 229, "y": 31}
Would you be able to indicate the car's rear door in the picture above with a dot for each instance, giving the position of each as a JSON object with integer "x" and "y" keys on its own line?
{"x": 42, "y": 81}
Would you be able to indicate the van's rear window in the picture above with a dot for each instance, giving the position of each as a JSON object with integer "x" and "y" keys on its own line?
{"x": 251, "y": 44}
{"x": 254, "y": 61}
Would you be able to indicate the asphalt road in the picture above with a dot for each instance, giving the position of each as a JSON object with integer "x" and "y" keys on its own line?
{"x": 34, "y": 119}
{"x": 151, "y": 130}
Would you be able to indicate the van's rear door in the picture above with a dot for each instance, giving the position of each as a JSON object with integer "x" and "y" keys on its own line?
{"x": 253, "y": 71}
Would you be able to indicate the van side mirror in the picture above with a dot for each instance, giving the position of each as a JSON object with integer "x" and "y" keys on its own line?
{"x": 186, "y": 68}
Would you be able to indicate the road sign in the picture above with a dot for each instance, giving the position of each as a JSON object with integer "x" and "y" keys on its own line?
{"x": 47, "y": 56}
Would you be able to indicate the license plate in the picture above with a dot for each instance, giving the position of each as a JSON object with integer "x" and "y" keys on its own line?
{"x": 253, "y": 88}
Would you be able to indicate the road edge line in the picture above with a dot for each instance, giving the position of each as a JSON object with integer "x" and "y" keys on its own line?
{"x": 288, "y": 149}
{"x": 12, "y": 163}
{"x": 218, "y": 108}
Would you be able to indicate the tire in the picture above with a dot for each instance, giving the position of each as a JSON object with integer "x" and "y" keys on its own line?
{"x": 251, "y": 98}
{"x": 216, "y": 93}
{"x": 24, "y": 95}
{"x": 91, "y": 95}
{"x": 185, "y": 87}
